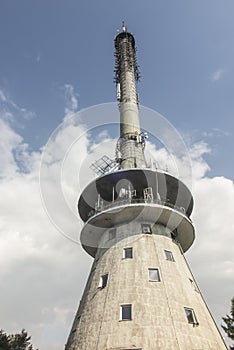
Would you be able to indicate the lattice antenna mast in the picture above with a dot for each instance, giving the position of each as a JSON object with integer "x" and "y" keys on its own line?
{"x": 130, "y": 146}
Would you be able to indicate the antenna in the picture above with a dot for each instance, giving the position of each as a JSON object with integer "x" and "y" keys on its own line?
{"x": 103, "y": 165}
{"x": 127, "y": 75}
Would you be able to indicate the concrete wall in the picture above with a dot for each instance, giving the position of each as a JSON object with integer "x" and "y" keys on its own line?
{"x": 158, "y": 316}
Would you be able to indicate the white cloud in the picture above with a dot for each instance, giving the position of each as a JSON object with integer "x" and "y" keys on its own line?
{"x": 215, "y": 132}
{"x": 211, "y": 256}
{"x": 9, "y": 108}
{"x": 217, "y": 75}
{"x": 9, "y": 141}
{"x": 71, "y": 100}
{"x": 2, "y": 96}
{"x": 37, "y": 292}
{"x": 42, "y": 274}
{"x": 188, "y": 169}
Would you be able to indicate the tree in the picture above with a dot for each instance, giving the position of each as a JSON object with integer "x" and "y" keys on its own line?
{"x": 3, "y": 340}
{"x": 18, "y": 341}
{"x": 229, "y": 324}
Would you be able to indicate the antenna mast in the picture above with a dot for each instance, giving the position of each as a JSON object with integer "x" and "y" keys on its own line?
{"x": 130, "y": 146}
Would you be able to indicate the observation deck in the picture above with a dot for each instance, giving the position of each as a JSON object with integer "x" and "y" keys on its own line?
{"x": 141, "y": 195}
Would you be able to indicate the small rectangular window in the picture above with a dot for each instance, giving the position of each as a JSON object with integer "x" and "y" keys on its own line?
{"x": 191, "y": 317}
{"x": 103, "y": 281}
{"x": 112, "y": 233}
{"x": 127, "y": 253}
{"x": 146, "y": 228}
{"x": 126, "y": 312}
{"x": 154, "y": 275}
{"x": 193, "y": 284}
{"x": 169, "y": 255}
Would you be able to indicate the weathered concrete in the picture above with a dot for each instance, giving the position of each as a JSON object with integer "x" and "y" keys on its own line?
{"x": 158, "y": 316}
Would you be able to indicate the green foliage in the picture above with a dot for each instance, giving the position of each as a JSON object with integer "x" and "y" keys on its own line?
{"x": 229, "y": 323}
{"x": 18, "y": 341}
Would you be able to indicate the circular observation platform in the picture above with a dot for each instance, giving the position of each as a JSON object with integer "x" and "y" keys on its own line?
{"x": 142, "y": 195}
{"x": 134, "y": 185}
{"x": 152, "y": 213}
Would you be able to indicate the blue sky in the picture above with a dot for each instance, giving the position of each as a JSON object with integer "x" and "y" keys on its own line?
{"x": 58, "y": 56}
{"x": 185, "y": 53}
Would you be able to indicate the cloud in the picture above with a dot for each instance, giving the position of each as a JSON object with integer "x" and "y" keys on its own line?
{"x": 217, "y": 75}
{"x": 186, "y": 169}
{"x": 211, "y": 256}
{"x": 9, "y": 141}
{"x": 42, "y": 273}
{"x": 37, "y": 292}
{"x": 215, "y": 133}
{"x": 2, "y": 96}
{"x": 71, "y": 100}
{"x": 11, "y": 111}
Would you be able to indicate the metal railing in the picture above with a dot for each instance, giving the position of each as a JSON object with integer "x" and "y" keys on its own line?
{"x": 129, "y": 201}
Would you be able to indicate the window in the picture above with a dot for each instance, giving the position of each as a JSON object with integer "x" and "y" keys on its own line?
{"x": 154, "y": 275}
{"x": 193, "y": 284}
{"x": 77, "y": 318}
{"x": 127, "y": 253}
{"x": 169, "y": 255}
{"x": 103, "y": 281}
{"x": 174, "y": 235}
{"x": 191, "y": 317}
{"x": 112, "y": 233}
{"x": 146, "y": 228}
{"x": 126, "y": 312}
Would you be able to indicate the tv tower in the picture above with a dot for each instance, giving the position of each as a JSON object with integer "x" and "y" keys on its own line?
{"x": 140, "y": 293}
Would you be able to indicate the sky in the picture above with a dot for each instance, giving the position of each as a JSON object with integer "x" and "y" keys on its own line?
{"x": 56, "y": 83}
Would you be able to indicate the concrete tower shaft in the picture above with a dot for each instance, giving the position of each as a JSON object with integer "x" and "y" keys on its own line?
{"x": 130, "y": 147}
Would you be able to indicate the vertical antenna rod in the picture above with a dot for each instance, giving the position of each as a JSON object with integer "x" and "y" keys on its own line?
{"x": 130, "y": 146}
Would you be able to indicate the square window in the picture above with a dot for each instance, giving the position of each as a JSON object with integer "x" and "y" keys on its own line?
{"x": 146, "y": 228}
{"x": 126, "y": 312}
{"x": 169, "y": 255}
{"x": 191, "y": 317}
{"x": 103, "y": 281}
{"x": 112, "y": 233}
{"x": 127, "y": 253}
{"x": 154, "y": 275}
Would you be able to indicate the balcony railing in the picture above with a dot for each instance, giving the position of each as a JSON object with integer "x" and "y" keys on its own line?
{"x": 129, "y": 201}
